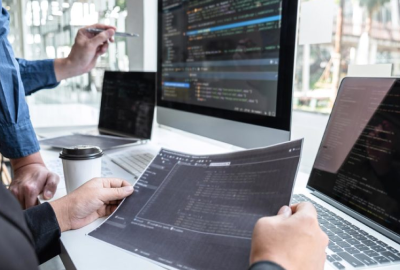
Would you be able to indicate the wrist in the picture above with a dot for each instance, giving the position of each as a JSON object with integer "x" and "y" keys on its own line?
{"x": 60, "y": 208}
{"x": 64, "y": 69}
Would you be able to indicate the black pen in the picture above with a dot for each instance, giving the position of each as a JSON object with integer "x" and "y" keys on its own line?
{"x": 118, "y": 34}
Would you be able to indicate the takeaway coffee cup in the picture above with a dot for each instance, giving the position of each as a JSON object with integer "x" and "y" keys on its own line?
{"x": 80, "y": 163}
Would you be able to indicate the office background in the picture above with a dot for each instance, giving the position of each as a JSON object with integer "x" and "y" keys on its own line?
{"x": 364, "y": 32}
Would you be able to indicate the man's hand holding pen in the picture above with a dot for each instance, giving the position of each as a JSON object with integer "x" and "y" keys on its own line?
{"x": 87, "y": 49}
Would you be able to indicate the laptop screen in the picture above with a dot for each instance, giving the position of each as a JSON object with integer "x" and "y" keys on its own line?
{"x": 358, "y": 163}
{"x": 127, "y": 104}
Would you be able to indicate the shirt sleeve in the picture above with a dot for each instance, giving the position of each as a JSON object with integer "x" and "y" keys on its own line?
{"x": 37, "y": 75}
{"x": 17, "y": 137}
{"x": 43, "y": 224}
{"x": 265, "y": 265}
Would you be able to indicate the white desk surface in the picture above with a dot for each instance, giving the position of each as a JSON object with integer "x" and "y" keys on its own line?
{"x": 80, "y": 251}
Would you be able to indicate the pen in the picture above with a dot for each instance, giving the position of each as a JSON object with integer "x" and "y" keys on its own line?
{"x": 118, "y": 34}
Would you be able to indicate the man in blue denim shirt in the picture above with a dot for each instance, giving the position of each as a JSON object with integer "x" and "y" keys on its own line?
{"x": 19, "y": 78}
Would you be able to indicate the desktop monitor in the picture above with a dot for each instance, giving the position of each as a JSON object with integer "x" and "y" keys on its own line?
{"x": 226, "y": 68}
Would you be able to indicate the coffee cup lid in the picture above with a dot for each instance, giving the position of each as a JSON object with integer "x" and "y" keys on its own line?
{"x": 81, "y": 152}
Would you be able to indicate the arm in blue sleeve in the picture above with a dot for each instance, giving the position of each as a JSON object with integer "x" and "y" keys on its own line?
{"x": 17, "y": 137}
{"x": 265, "y": 265}
{"x": 17, "y": 140}
{"x": 37, "y": 75}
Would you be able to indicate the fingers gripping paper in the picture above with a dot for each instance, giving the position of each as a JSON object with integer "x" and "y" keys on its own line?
{"x": 198, "y": 212}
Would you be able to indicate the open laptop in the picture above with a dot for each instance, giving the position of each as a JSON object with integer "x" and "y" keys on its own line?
{"x": 355, "y": 181}
{"x": 126, "y": 112}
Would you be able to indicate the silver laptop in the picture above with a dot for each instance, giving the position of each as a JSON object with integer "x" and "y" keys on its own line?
{"x": 126, "y": 113}
{"x": 355, "y": 180}
{"x": 126, "y": 118}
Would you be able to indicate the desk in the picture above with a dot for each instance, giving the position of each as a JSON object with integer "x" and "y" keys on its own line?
{"x": 80, "y": 251}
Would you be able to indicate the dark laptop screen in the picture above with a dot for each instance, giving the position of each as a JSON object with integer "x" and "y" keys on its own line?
{"x": 127, "y": 104}
{"x": 358, "y": 163}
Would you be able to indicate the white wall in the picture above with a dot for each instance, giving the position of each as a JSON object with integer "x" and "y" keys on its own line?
{"x": 142, "y": 19}
{"x": 150, "y": 35}
{"x": 134, "y": 24}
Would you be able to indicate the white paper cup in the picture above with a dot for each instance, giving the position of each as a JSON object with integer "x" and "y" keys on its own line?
{"x": 81, "y": 164}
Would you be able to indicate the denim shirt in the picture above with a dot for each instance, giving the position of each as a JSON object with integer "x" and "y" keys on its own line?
{"x": 19, "y": 78}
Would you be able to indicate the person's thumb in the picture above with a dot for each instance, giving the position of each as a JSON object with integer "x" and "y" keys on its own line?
{"x": 50, "y": 187}
{"x": 115, "y": 194}
{"x": 285, "y": 211}
{"x": 103, "y": 37}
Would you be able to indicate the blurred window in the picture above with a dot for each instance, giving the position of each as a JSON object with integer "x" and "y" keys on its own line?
{"x": 365, "y": 32}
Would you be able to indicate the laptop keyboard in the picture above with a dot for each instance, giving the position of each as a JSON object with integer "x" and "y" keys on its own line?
{"x": 133, "y": 162}
{"x": 350, "y": 246}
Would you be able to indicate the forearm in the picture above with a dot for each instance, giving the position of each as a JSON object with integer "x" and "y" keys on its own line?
{"x": 65, "y": 69}
{"x": 265, "y": 265}
{"x": 35, "y": 158}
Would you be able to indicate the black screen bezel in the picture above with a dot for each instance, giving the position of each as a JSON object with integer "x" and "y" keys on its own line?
{"x": 112, "y": 75}
{"x": 282, "y": 121}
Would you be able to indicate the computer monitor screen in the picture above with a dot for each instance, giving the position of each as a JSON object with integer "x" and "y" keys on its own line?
{"x": 228, "y": 59}
{"x": 127, "y": 104}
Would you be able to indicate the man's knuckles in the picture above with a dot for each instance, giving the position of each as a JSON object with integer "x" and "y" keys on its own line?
{"x": 30, "y": 189}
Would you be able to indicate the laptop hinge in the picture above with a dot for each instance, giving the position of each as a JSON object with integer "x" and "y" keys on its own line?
{"x": 311, "y": 189}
